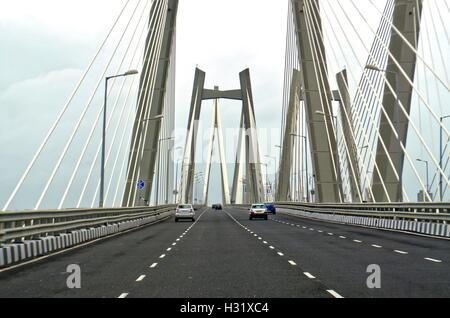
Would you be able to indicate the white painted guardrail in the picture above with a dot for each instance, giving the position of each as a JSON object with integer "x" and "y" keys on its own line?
{"x": 28, "y": 235}
{"x": 424, "y": 218}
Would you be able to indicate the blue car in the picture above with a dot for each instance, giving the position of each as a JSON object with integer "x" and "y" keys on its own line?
{"x": 271, "y": 208}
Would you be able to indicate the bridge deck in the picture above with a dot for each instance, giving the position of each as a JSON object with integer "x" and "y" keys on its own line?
{"x": 220, "y": 257}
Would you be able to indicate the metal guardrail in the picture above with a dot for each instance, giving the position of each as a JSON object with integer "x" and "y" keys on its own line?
{"x": 25, "y": 225}
{"x": 377, "y": 207}
{"x": 437, "y": 212}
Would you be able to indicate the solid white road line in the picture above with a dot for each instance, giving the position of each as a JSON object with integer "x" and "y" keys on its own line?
{"x": 433, "y": 260}
{"x": 124, "y": 295}
{"x": 401, "y": 252}
{"x": 154, "y": 265}
{"x": 140, "y": 278}
{"x": 334, "y": 294}
{"x": 309, "y": 275}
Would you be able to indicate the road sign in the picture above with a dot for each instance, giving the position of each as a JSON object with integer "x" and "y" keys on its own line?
{"x": 141, "y": 184}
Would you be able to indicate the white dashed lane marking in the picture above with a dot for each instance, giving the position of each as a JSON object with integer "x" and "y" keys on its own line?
{"x": 376, "y": 246}
{"x": 140, "y": 278}
{"x": 401, "y": 252}
{"x": 124, "y": 295}
{"x": 357, "y": 241}
{"x": 291, "y": 262}
{"x": 334, "y": 294}
{"x": 154, "y": 265}
{"x": 162, "y": 256}
{"x": 309, "y": 275}
{"x": 433, "y": 260}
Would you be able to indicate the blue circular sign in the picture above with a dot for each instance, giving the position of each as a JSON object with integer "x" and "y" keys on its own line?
{"x": 141, "y": 184}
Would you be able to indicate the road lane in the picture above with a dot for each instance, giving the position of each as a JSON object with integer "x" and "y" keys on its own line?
{"x": 421, "y": 246}
{"x": 339, "y": 255}
{"x": 224, "y": 254}
{"x": 219, "y": 258}
{"x": 107, "y": 267}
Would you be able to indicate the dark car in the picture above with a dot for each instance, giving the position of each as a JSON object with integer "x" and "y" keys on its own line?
{"x": 271, "y": 209}
{"x": 217, "y": 206}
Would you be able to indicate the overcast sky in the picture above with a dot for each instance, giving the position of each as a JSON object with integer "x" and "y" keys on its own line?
{"x": 46, "y": 45}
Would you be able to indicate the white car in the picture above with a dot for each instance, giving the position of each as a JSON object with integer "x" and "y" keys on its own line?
{"x": 258, "y": 211}
{"x": 185, "y": 211}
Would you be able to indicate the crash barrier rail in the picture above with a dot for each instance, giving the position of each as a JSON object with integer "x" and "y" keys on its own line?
{"x": 26, "y": 235}
{"x": 425, "y": 218}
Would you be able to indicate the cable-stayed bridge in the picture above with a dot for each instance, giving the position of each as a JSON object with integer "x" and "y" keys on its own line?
{"x": 362, "y": 166}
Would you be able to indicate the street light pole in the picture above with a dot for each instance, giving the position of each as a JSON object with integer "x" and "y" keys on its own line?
{"x": 306, "y": 164}
{"x": 428, "y": 184}
{"x": 440, "y": 157}
{"x": 159, "y": 166}
{"x": 102, "y": 165}
{"x": 168, "y": 172}
{"x": 176, "y": 181}
{"x": 337, "y": 148}
{"x": 277, "y": 166}
{"x": 275, "y": 185}
{"x": 397, "y": 106}
{"x": 267, "y": 179}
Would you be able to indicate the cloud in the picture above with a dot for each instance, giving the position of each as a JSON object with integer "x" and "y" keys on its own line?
{"x": 29, "y": 108}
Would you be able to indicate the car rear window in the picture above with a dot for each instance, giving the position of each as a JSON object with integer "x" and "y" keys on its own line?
{"x": 259, "y": 206}
{"x": 184, "y": 207}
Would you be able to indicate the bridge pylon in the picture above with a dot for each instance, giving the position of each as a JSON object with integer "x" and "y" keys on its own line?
{"x": 248, "y": 140}
{"x": 151, "y": 102}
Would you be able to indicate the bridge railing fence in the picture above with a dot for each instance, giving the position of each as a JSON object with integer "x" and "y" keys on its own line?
{"x": 432, "y": 212}
{"x": 19, "y": 226}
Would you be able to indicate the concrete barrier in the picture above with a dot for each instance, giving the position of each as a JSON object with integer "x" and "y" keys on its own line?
{"x": 429, "y": 228}
{"x": 11, "y": 254}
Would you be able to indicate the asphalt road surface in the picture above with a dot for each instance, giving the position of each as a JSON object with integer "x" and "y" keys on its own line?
{"x": 223, "y": 254}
